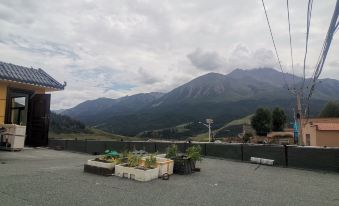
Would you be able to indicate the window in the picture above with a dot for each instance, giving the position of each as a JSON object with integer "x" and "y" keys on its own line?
{"x": 18, "y": 110}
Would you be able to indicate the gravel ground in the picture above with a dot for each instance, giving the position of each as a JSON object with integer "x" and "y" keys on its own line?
{"x": 48, "y": 177}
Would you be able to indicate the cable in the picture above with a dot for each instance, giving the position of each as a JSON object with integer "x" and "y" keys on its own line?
{"x": 337, "y": 28}
{"x": 289, "y": 31}
{"x": 323, "y": 54}
{"x": 308, "y": 24}
{"x": 275, "y": 48}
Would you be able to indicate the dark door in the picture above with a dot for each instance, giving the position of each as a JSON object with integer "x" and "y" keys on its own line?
{"x": 39, "y": 109}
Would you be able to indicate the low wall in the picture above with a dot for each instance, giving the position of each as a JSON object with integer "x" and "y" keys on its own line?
{"x": 314, "y": 158}
{"x": 286, "y": 156}
{"x": 227, "y": 151}
{"x": 274, "y": 152}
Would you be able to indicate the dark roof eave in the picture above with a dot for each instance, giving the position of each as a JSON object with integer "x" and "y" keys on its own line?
{"x": 59, "y": 88}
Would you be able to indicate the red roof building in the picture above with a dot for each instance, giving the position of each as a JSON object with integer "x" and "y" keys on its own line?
{"x": 321, "y": 132}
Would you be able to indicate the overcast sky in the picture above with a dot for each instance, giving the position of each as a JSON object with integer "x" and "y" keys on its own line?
{"x": 113, "y": 48}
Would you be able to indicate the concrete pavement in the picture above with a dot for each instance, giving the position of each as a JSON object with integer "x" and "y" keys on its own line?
{"x": 48, "y": 177}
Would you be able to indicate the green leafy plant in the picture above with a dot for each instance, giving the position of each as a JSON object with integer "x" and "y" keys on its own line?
{"x": 194, "y": 153}
{"x": 172, "y": 151}
{"x": 133, "y": 160}
{"x": 151, "y": 162}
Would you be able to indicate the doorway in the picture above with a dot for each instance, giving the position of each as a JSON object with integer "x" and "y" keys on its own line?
{"x": 32, "y": 110}
{"x": 308, "y": 140}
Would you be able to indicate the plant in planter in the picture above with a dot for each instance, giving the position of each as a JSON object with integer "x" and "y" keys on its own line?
{"x": 172, "y": 151}
{"x": 194, "y": 154}
{"x": 102, "y": 165}
{"x": 184, "y": 163}
{"x": 150, "y": 162}
{"x": 134, "y": 170}
{"x": 133, "y": 160}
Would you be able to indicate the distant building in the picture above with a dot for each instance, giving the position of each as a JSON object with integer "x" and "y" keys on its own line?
{"x": 283, "y": 137}
{"x": 321, "y": 132}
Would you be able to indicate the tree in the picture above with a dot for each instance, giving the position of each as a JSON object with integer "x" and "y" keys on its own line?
{"x": 262, "y": 121}
{"x": 247, "y": 137}
{"x": 279, "y": 119}
{"x": 330, "y": 110}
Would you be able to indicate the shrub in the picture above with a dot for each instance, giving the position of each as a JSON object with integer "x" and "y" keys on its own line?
{"x": 133, "y": 160}
{"x": 172, "y": 151}
{"x": 151, "y": 162}
{"x": 194, "y": 153}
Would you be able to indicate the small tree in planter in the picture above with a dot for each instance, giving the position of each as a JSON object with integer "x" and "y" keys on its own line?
{"x": 150, "y": 162}
{"x": 172, "y": 151}
{"x": 194, "y": 154}
{"x": 184, "y": 164}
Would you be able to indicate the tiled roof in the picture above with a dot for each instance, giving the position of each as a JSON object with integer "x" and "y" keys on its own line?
{"x": 37, "y": 77}
{"x": 327, "y": 126}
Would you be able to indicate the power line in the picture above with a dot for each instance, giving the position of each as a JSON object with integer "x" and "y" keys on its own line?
{"x": 289, "y": 31}
{"x": 326, "y": 46}
{"x": 275, "y": 48}
{"x": 308, "y": 24}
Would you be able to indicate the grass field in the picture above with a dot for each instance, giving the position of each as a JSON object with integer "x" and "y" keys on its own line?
{"x": 94, "y": 134}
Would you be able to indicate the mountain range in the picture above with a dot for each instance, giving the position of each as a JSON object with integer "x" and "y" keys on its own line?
{"x": 213, "y": 95}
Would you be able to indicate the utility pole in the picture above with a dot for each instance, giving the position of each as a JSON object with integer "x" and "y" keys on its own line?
{"x": 208, "y": 125}
{"x": 299, "y": 119}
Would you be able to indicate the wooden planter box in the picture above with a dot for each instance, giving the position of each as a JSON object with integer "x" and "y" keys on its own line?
{"x": 123, "y": 170}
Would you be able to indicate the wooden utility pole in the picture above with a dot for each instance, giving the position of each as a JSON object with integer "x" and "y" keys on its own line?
{"x": 299, "y": 119}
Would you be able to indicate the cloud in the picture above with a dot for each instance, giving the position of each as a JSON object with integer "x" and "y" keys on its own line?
{"x": 240, "y": 57}
{"x": 147, "y": 77}
{"x": 209, "y": 61}
{"x": 243, "y": 57}
{"x": 113, "y": 48}
{"x": 46, "y": 48}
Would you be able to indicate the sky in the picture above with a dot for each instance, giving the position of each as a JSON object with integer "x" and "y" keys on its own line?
{"x": 114, "y": 48}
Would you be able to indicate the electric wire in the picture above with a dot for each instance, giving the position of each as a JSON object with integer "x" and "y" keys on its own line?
{"x": 308, "y": 25}
{"x": 323, "y": 54}
{"x": 274, "y": 45}
{"x": 289, "y": 32}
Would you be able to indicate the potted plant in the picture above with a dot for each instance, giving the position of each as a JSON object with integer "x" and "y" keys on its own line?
{"x": 102, "y": 165}
{"x": 172, "y": 151}
{"x": 194, "y": 154}
{"x": 133, "y": 169}
{"x": 184, "y": 163}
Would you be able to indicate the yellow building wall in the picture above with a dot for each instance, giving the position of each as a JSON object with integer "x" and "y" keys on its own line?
{"x": 3, "y": 94}
{"x": 328, "y": 138}
{"x": 311, "y": 130}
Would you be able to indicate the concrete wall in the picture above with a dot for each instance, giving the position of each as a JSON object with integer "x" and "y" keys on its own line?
{"x": 286, "y": 156}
